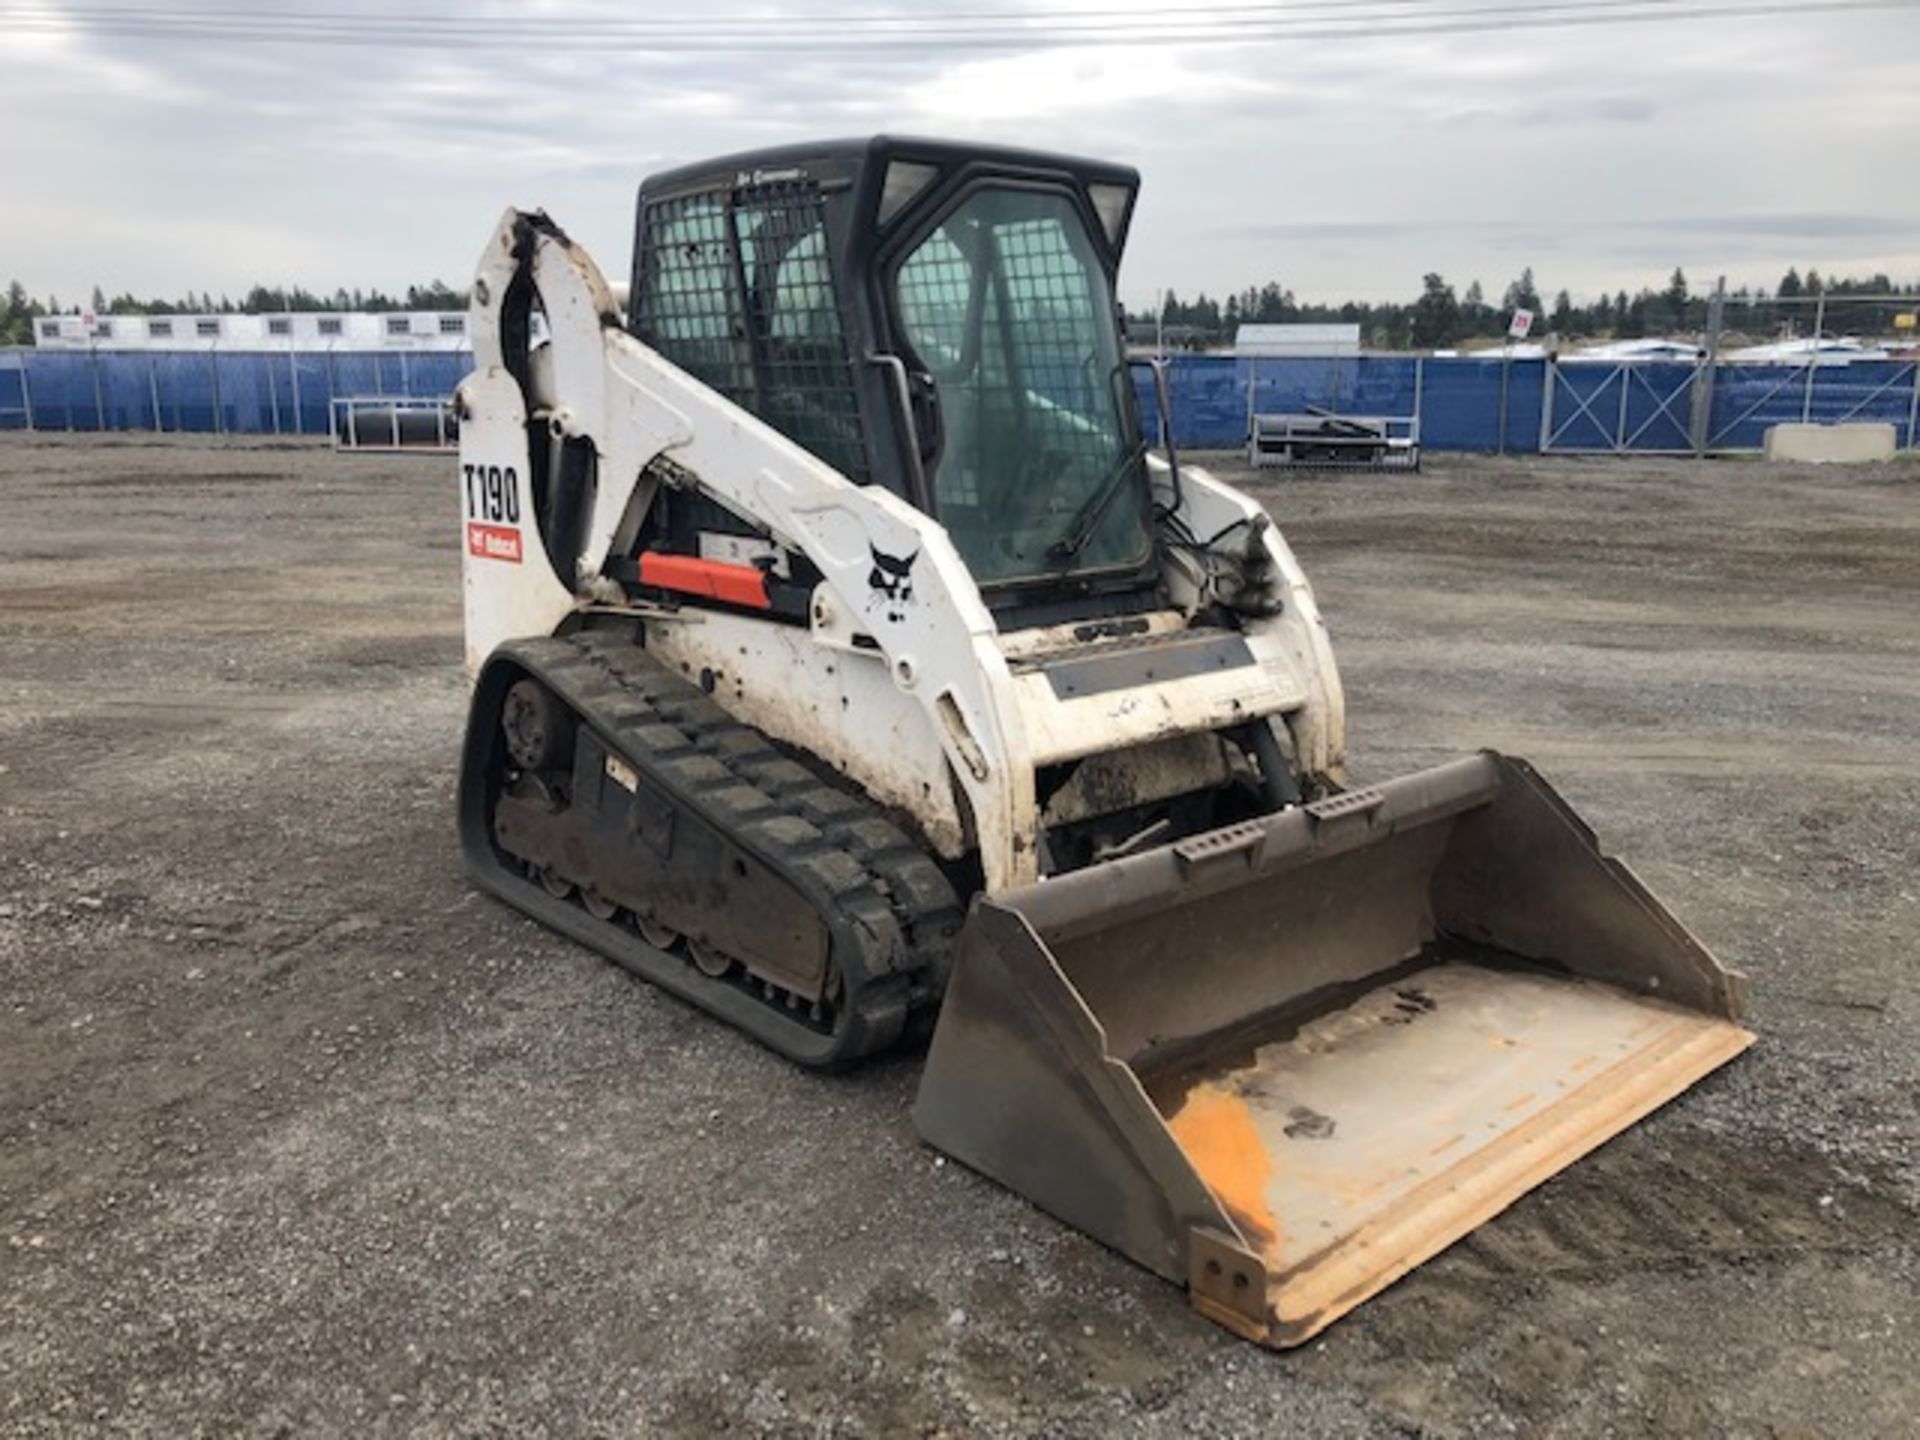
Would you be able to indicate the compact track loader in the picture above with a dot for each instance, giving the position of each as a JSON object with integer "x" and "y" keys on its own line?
{"x": 845, "y": 665}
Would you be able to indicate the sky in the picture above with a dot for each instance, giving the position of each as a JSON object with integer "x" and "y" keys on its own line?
{"x": 1344, "y": 166}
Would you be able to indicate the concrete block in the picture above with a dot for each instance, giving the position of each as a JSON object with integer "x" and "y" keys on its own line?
{"x": 1849, "y": 444}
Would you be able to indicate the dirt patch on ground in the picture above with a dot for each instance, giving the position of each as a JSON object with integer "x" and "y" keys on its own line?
{"x": 299, "y": 1134}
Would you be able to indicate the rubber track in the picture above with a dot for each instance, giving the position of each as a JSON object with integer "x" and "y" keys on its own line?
{"x": 834, "y": 843}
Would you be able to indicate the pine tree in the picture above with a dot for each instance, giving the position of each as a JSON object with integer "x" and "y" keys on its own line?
{"x": 1522, "y": 294}
{"x": 16, "y": 322}
{"x": 1474, "y": 314}
{"x": 1676, "y": 299}
{"x": 1633, "y": 323}
{"x": 1436, "y": 314}
{"x": 1563, "y": 314}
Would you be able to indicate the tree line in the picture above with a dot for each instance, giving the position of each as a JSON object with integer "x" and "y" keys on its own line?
{"x": 21, "y": 309}
{"x": 1440, "y": 318}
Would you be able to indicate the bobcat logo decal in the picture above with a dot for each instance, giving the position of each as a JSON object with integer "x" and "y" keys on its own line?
{"x": 891, "y": 580}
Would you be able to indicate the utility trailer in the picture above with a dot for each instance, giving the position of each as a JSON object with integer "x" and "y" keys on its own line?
{"x": 1322, "y": 440}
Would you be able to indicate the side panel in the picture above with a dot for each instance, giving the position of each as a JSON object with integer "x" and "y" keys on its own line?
{"x": 508, "y": 583}
{"x": 839, "y": 705}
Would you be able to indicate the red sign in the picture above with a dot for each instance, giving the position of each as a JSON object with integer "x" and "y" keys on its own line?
{"x": 1522, "y": 325}
{"x": 493, "y": 542}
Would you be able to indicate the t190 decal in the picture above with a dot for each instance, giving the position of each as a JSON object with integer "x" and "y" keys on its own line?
{"x": 493, "y": 493}
{"x": 493, "y": 512}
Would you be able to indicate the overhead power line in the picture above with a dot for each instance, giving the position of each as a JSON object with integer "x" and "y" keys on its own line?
{"x": 1243, "y": 24}
{"x": 808, "y": 22}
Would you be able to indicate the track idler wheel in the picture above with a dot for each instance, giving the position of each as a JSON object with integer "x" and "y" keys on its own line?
{"x": 597, "y": 904}
{"x": 538, "y": 728}
{"x": 661, "y": 937}
{"x": 709, "y": 961}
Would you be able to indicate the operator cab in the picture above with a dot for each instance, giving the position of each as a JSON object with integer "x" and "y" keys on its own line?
{"x": 933, "y": 318}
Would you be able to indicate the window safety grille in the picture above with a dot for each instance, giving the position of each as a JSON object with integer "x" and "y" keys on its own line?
{"x": 1007, "y": 306}
{"x": 739, "y": 292}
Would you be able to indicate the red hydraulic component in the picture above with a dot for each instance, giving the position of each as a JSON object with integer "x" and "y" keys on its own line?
{"x": 715, "y": 579}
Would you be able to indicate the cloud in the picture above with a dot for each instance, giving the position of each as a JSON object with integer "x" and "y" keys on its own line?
{"x": 1341, "y": 167}
{"x": 1577, "y": 111}
{"x": 1803, "y": 227}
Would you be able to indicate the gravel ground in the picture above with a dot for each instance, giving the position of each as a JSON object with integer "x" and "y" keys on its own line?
{"x": 299, "y": 1134}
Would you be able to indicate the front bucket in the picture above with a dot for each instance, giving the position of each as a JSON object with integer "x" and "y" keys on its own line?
{"x": 1284, "y": 1062}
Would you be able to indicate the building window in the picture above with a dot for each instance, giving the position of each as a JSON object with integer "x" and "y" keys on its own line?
{"x": 160, "y": 329}
{"x": 397, "y": 325}
{"x": 49, "y": 329}
{"x": 329, "y": 324}
{"x": 453, "y": 324}
{"x": 103, "y": 329}
{"x": 207, "y": 329}
{"x": 279, "y": 325}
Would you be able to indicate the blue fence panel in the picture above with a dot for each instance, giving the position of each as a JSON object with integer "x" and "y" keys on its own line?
{"x": 438, "y": 373}
{"x": 1871, "y": 390}
{"x": 1749, "y": 398}
{"x": 188, "y": 391}
{"x": 1207, "y": 395}
{"x": 1660, "y": 406}
{"x": 1460, "y": 405}
{"x": 127, "y": 392}
{"x": 63, "y": 394}
{"x": 13, "y": 393}
{"x": 1526, "y": 389}
{"x": 238, "y": 391}
{"x": 241, "y": 400}
{"x": 357, "y": 374}
{"x": 310, "y": 387}
{"x": 1459, "y": 399}
{"x": 1385, "y": 385}
{"x": 1641, "y": 405}
{"x": 1354, "y": 385}
{"x": 1586, "y": 406}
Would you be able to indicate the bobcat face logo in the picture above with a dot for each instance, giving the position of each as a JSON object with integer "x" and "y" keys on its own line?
{"x": 891, "y": 580}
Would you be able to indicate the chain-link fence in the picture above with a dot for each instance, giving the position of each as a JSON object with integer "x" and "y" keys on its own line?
{"x": 210, "y": 391}
{"x": 1490, "y": 404}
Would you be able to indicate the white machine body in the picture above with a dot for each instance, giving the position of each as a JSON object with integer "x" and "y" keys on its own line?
{"x": 903, "y": 682}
